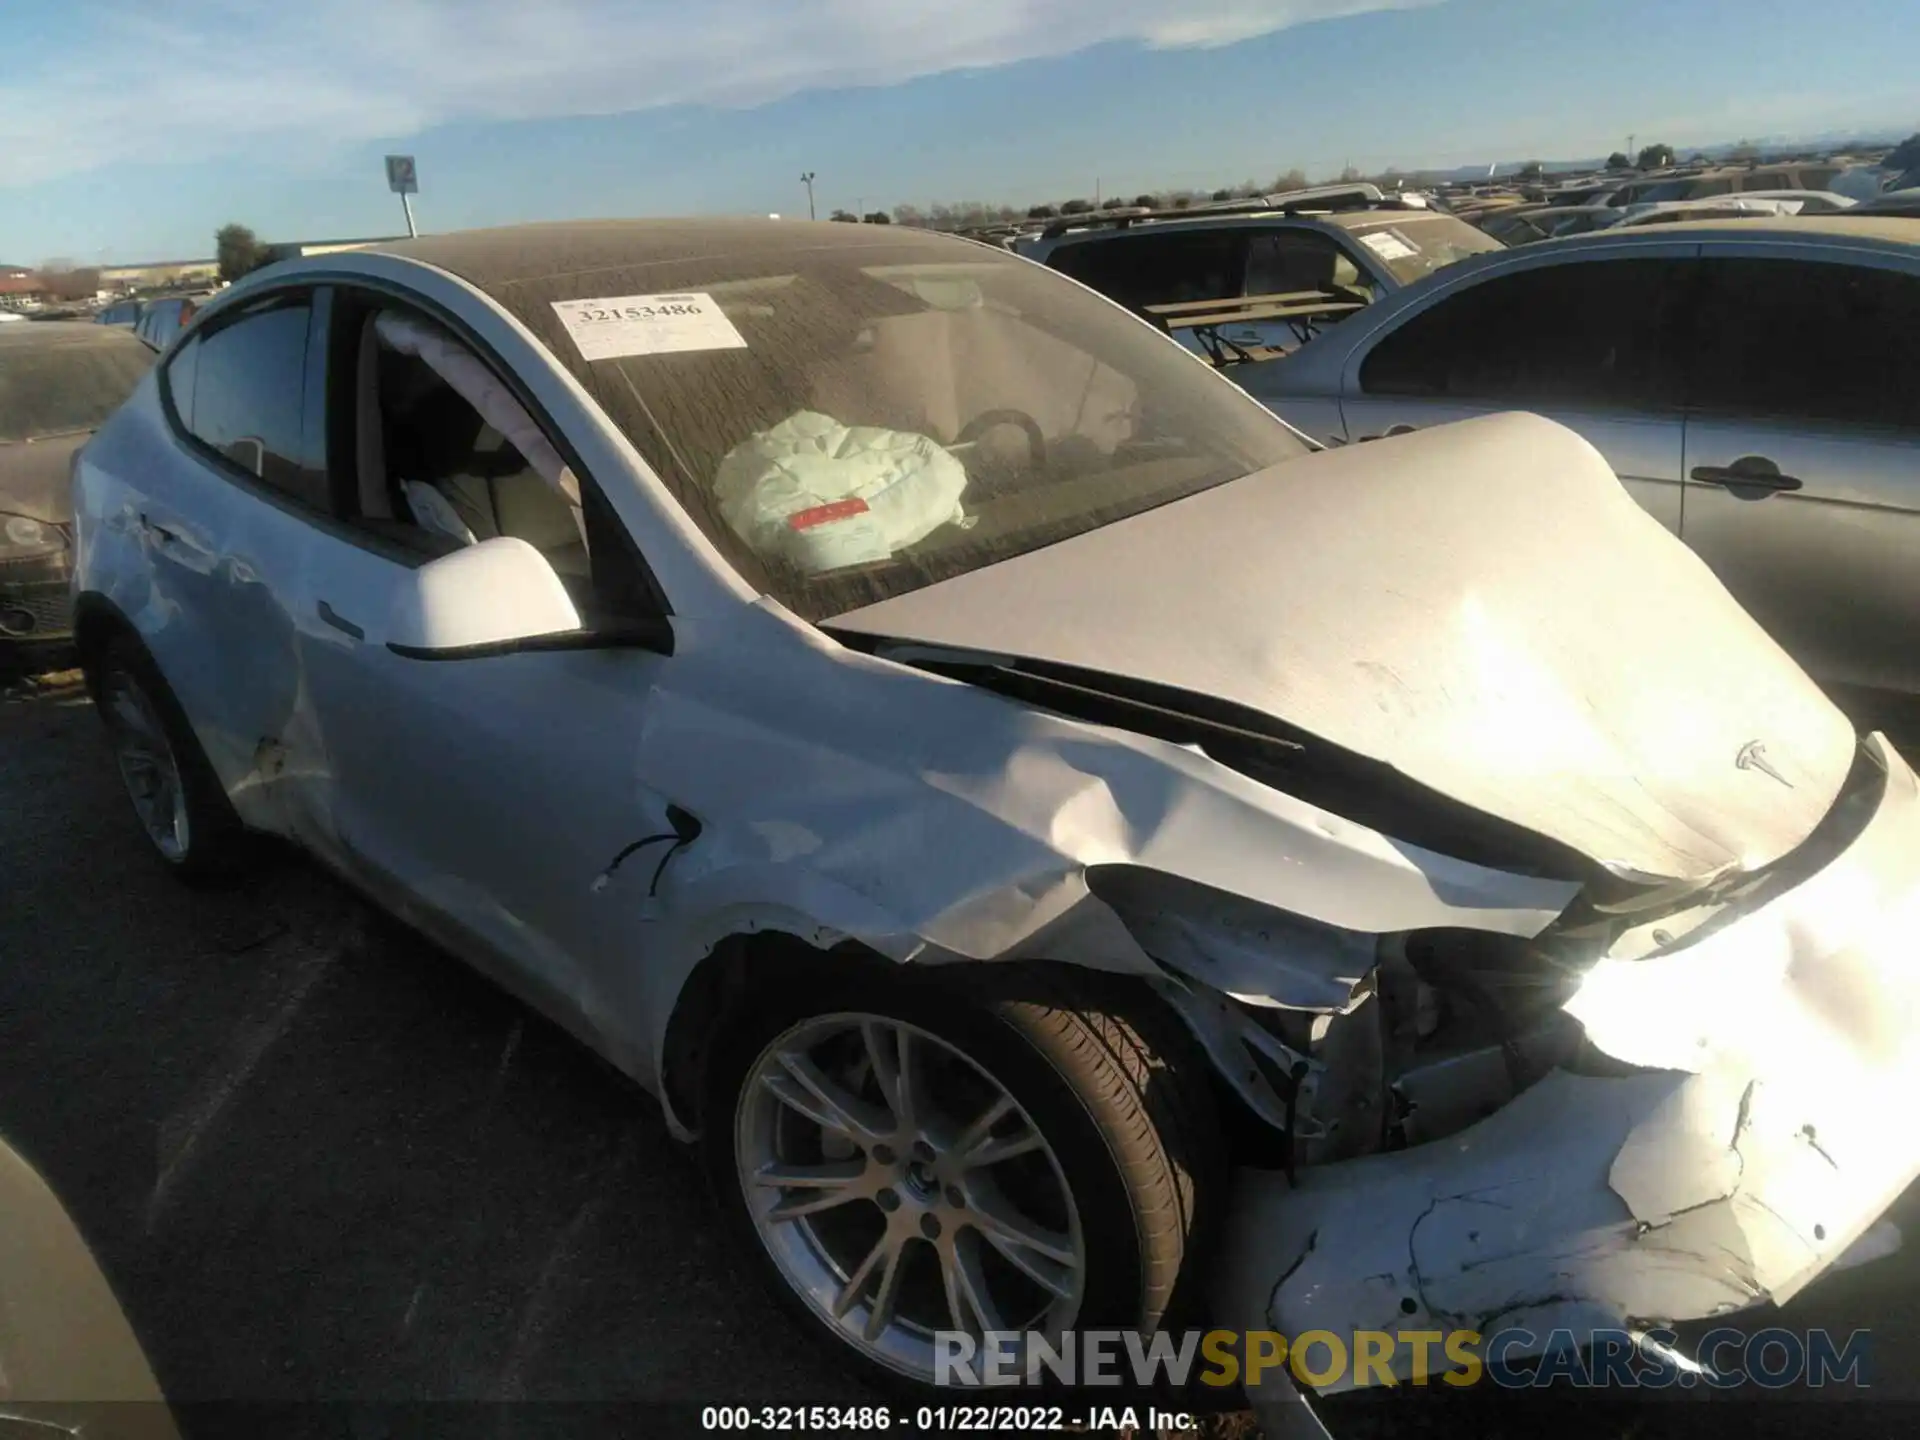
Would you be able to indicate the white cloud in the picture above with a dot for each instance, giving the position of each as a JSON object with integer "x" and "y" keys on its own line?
{"x": 217, "y": 76}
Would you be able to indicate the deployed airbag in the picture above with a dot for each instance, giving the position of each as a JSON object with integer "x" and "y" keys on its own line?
{"x": 824, "y": 495}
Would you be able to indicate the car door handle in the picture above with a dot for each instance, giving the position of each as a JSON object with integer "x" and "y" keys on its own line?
{"x": 340, "y": 622}
{"x": 159, "y": 532}
{"x": 1754, "y": 473}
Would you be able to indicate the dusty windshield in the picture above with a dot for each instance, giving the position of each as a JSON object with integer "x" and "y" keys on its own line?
{"x": 848, "y": 425}
{"x": 1415, "y": 245}
{"x": 54, "y": 381}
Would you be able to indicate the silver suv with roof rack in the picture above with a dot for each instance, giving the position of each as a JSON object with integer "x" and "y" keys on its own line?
{"x": 1259, "y": 277}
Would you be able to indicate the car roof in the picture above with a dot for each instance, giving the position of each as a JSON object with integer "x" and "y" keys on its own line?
{"x": 494, "y": 259}
{"x": 1877, "y": 231}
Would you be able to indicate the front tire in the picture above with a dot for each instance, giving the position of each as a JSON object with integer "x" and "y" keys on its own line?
{"x": 905, "y": 1153}
{"x": 184, "y": 813}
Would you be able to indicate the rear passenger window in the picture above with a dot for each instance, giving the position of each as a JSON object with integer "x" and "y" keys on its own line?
{"x": 1599, "y": 333}
{"x": 1282, "y": 262}
{"x": 1811, "y": 341}
{"x": 245, "y": 398}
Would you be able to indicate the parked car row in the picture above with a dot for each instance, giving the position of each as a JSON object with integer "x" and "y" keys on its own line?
{"x": 1221, "y": 278}
{"x": 58, "y": 381}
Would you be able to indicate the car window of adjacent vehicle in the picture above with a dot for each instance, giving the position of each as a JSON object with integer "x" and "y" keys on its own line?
{"x": 848, "y": 423}
{"x": 1167, "y": 268}
{"x": 240, "y": 390}
{"x": 1592, "y": 333}
{"x": 1281, "y": 262}
{"x": 1809, "y": 340}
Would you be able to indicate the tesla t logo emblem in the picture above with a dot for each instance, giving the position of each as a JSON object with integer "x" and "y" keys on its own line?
{"x": 1753, "y": 756}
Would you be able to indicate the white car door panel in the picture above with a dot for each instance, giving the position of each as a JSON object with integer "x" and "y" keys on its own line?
{"x": 473, "y": 793}
{"x": 468, "y": 789}
{"x": 1803, "y": 457}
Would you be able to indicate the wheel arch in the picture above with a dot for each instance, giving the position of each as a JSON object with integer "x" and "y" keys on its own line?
{"x": 97, "y": 623}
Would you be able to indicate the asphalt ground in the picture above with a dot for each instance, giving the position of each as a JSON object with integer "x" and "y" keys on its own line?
{"x": 343, "y": 1185}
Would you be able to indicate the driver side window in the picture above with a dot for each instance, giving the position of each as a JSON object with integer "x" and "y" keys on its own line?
{"x": 444, "y": 456}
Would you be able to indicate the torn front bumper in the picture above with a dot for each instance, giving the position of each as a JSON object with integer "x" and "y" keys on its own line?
{"x": 1755, "y": 1138}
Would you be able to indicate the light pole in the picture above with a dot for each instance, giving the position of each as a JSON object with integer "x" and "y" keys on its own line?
{"x": 807, "y": 180}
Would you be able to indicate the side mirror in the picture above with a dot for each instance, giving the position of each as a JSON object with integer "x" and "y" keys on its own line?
{"x": 487, "y": 598}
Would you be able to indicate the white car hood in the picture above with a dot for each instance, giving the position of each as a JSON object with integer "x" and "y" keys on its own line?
{"x": 1481, "y": 606}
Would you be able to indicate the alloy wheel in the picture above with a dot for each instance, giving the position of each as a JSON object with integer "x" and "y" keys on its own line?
{"x": 148, "y": 766}
{"x": 902, "y": 1190}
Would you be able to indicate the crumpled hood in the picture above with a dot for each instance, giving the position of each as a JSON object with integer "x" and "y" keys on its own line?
{"x": 1481, "y": 606}
{"x": 35, "y": 479}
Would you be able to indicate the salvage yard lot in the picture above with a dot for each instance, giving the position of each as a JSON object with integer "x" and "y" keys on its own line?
{"x": 320, "y": 1160}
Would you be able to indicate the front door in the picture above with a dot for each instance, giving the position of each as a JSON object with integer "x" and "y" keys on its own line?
{"x": 479, "y": 795}
{"x": 1589, "y": 344}
{"x": 1803, "y": 457}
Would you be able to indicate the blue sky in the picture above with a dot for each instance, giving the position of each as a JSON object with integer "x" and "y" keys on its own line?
{"x": 131, "y": 130}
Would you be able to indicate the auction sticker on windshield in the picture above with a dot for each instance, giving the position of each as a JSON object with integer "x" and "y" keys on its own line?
{"x": 620, "y": 325}
{"x": 1387, "y": 245}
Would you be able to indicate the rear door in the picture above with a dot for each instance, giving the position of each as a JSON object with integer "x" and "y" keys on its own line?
{"x": 1803, "y": 453}
{"x": 1590, "y": 343}
{"x": 227, "y": 517}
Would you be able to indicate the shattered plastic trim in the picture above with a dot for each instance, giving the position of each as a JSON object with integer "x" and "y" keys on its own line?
{"x": 1732, "y": 1169}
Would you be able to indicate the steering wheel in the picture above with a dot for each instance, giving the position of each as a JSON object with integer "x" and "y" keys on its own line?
{"x": 988, "y": 419}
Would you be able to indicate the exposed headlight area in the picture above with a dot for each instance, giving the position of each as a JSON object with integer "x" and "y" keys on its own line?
{"x": 24, "y": 538}
{"x": 34, "y": 561}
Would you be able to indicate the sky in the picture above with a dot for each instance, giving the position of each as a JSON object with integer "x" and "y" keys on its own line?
{"x": 132, "y": 129}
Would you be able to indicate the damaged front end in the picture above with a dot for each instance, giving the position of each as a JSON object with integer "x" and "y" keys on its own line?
{"x": 1659, "y": 1109}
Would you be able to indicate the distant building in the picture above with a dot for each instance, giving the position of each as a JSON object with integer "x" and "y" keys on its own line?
{"x": 22, "y": 290}
{"x": 154, "y": 274}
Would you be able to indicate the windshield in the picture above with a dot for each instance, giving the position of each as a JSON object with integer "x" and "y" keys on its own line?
{"x": 848, "y": 424}
{"x": 54, "y": 383}
{"x": 1417, "y": 245}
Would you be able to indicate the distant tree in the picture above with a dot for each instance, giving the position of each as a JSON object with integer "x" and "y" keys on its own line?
{"x": 1618, "y": 161}
{"x": 1225, "y": 194}
{"x": 1147, "y": 202}
{"x": 1294, "y": 179}
{"x": 1533, "y": 170}
{"x": 63, "y": 280}
{"x": 1904, "y": 156}
{"x": 1077, "y": 207}
{"x": 239, "y": 251}
{"x": 1181, "y": 202}
{"x": 1041, "y": 212}
{"x": 878, "y": 217}
{"x": 845, "y": 216}
{"x": 1349, "y": 175}
{"x": 909, "y": 215}
{"x": 1744, "y": 153}
{"x": 1654, "y": 157}
{"x": 1114, "y": 202}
